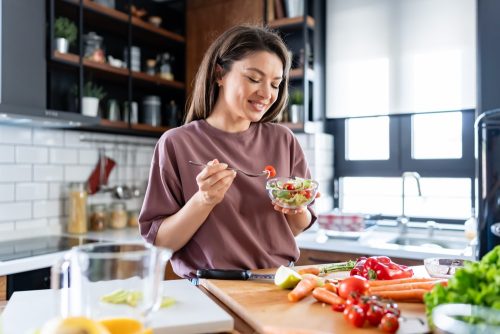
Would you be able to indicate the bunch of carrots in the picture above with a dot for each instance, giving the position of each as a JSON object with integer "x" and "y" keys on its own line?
{"x": 404, "y": 289}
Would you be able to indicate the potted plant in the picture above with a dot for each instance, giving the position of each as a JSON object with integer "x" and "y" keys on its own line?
{"x": 91, "y": 95}
{"x": 296, "y": 111}
{"x": 65, "y": 32}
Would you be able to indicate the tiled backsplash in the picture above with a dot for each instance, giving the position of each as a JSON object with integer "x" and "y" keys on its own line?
{"x": 36, "y": 165}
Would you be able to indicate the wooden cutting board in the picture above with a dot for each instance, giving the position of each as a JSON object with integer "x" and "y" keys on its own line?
{"x": 193, "y": 312}
{"x": 266, "y": 308}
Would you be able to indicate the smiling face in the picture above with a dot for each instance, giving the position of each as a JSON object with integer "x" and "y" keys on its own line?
{"x": 249, "y": 89}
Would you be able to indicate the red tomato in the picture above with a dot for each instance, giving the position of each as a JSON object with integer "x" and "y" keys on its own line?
{"x": 374, "y": 314}
{"x": 338, "y": 307}
{"x": 271, "y": 170}
{"x": 288, "y": 186}
{"x": 354, "y": 315}
{"x": 389, "y": 323}
{"x": 306, "y": 193}
{"x": 353, "y": 284}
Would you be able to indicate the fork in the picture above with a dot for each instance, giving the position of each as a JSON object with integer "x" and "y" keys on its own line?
{"x": 263, "y": 173}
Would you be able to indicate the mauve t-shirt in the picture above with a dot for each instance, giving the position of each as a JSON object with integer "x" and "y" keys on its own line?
{"x": 243, "y": 231}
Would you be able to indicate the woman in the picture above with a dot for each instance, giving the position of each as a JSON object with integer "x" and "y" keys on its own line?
{"x": 213, "y": 217}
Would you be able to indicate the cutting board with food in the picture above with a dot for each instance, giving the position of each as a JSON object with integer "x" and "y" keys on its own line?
{"x": 271, "y": 308}
{"x": 191, "y": 312}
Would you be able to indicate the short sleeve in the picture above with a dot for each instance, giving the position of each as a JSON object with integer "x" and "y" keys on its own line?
{"x": 163, "y": 195}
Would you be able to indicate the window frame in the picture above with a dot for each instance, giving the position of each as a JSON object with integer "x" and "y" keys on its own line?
{"x": 400, "y": 155}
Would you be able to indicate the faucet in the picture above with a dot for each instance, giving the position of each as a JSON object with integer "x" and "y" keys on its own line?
{"x": 402, "y": 220}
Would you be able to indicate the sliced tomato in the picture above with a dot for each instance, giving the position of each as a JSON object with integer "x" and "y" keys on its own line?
{"x": 288, "y": 186}
{"x": 271, "y": 170}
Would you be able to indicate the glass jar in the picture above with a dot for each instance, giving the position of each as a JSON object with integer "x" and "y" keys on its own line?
{"x": 77, "y": 211}
{"x": 93, "y": 47}
{"x": 118, "y": 218}
{"x": 97, "y": 217}
{"x": 133, "y": 218}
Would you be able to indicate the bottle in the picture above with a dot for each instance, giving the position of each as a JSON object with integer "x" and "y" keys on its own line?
{"x": 118, "y": 217}
{"x": 97, "y": 217}
{"x": 470, "y": 227}
{"x": 77, "y": 218}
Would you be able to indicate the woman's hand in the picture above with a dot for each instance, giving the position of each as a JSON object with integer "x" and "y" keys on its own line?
{"x": 289, "y": 211}
{"x": 214, "y": 181}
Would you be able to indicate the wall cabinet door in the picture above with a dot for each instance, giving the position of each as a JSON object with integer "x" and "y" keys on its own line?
{"x": 23, "y": 54}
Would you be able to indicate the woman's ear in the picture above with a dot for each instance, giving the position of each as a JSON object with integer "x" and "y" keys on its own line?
{"x": 219, "y": 73}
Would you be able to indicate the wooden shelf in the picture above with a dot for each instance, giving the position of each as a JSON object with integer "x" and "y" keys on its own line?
{"x": 70, "y": 58}
{"x": 114, "y": 124}
{"x": 149, "y": 128}
{"x": 124, "y": 18}
{"x": 291, "y": 21}
{"x": 157, "y": 80}
{"x": 298, "y": 74}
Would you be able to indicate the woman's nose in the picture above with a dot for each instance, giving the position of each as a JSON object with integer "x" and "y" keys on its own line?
{"x": 265, "y": 91}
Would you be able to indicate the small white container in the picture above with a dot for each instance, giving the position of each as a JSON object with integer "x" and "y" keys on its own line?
{"x": 90, "y": 106}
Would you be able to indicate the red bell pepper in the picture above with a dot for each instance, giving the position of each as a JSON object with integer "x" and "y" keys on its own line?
{"x": 380, "y": 267}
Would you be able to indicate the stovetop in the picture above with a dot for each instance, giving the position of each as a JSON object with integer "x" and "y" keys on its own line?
{"x": 23, "y": 248}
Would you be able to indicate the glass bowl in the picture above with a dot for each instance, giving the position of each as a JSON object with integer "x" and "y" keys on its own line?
{"x": 442, "y": 268}
{"x": 292, "y": 193}
{"x": 465, "y": 319}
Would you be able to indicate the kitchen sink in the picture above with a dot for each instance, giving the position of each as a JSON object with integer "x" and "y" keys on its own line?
{"x": 429, "y": 242}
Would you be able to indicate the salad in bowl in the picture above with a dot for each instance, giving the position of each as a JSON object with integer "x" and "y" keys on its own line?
{"x": 292, "y": 193}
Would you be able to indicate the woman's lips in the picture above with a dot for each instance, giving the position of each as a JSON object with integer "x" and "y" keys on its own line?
{"x": 258, "y": 106}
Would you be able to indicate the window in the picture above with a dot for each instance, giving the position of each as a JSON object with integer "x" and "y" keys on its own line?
{"x": 367, "y": 138}
{"x": 439, "y": 146}
{"x": 437, "y": 136}
{"x": 389, "y": 57}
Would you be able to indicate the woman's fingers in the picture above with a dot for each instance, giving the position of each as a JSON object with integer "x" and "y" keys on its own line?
{"x": 287, "y": 210}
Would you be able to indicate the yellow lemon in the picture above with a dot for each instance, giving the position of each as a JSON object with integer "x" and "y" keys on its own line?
{"x": 286, "y": 278}
{"x": 125, "y": 326}
{"x": 73, "y": 325}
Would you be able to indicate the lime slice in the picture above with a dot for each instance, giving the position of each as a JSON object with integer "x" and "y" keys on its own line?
{"x": 286, "y": 278}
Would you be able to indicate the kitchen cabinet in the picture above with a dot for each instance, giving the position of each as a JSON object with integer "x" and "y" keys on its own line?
{"x": 303, "y": 32}
{"x": 124, "y": 79}
{"x": 3, "y": 288}
{"x": 314, "y": 257}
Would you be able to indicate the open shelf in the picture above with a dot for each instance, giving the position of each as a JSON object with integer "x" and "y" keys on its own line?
{"x": 111, "y": 71}
{"x": 291, "y": 22}
{"x": 298, "y": 74}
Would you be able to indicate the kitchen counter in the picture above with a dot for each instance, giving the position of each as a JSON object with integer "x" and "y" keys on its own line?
{"x": 264, "y": 308}
{"x": 307, "y": 240}
{"x": 47, "y": 260}
{"x": 373, "y": 244}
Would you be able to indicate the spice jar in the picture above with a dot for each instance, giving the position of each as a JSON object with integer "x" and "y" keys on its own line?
{"x": 133, "y": 218}
{"x": 77, "y": 217}
{"x": 118, "y": 217}
{"x": 97, "y": 217}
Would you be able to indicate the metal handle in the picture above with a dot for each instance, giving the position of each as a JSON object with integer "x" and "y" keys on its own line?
{"x": 229, "y": 274}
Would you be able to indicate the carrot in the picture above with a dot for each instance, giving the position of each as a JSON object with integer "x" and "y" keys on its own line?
{"x": 303, "y": 289}
{"x": 407, "y": 286}
{"x": 330, "y": 287}
{"x": 309, "y": 270}
{"x": 402, "y": 280}
{"x": 403, "y": 295}
{"x": 325, "y": 296}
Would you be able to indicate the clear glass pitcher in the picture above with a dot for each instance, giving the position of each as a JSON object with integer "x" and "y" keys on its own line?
{"x": 89, "y": 274}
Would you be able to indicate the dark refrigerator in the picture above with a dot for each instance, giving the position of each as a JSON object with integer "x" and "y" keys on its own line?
{"x": 488, "y": 180}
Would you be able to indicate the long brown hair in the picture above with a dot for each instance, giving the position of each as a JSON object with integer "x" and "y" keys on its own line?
{"x": 233, "y": 45}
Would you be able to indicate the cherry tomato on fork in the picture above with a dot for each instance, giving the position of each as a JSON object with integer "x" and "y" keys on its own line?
{"x": 271, "y": 170}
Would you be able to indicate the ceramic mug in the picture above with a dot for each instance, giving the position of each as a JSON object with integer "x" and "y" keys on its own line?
{"x": 89, "y": 273}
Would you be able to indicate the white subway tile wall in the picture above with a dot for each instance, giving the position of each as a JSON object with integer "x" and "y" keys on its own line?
{"x": 36, "y": 166}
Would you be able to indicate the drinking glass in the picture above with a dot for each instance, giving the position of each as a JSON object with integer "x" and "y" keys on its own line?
{"x": 91, "y": 271}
